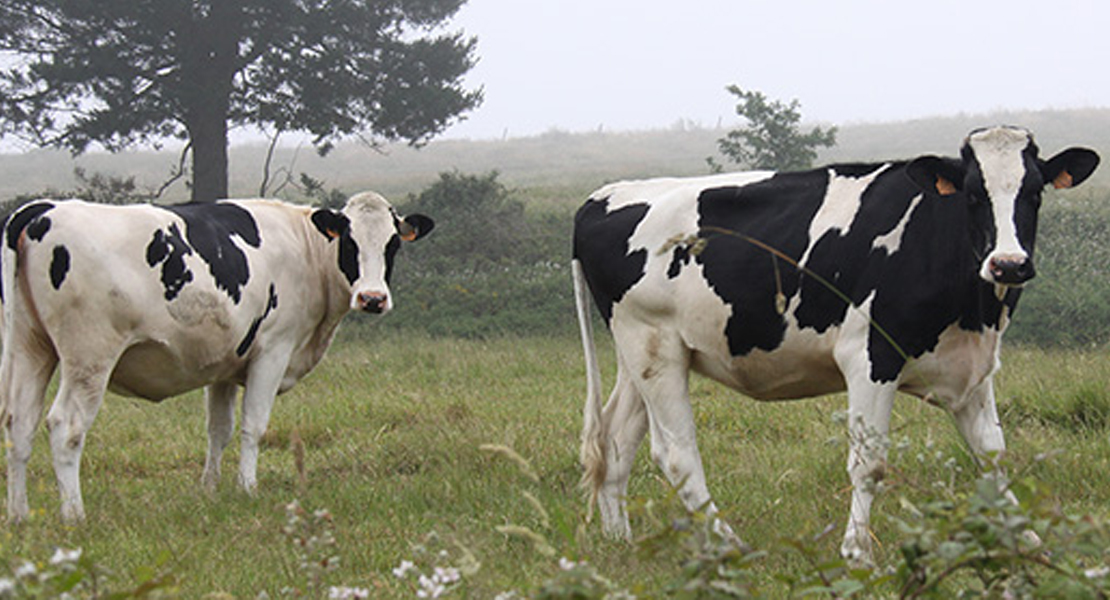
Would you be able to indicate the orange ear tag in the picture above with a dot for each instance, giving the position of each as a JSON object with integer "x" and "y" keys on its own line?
{"x": 1063, "y": 180}
{"x": 945, "y": 187}
{"x": 406, "y": 231}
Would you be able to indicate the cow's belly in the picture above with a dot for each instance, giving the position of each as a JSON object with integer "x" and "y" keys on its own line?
{"x": 793, "y": 371}
{"x": 154, "y": 371}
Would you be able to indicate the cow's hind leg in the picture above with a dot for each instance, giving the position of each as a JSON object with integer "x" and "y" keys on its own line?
{"x": 624, "y": 423}
{"x": 221, "y": 423}
{"x": 80, "y": 394}
{"x": 658, "y": 365}
{"x": 25, "y": 374}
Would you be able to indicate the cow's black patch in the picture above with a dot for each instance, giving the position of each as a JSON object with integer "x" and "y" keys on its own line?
{"x": 391, "y": 249}
{"x": 348, "y": 258}
{"x": 843, "y": 268}
{"x": 209, "y": 228}
{"x": 601, "y": 245}
{"x": 59, "y": 266}
{"x": 26, "y": 217}
{"x": 248, "y": 339}
{"x": 929, "y": 285}
{"x": 680, "y": 258}
{"x": 169, "y": 249}
{"x": 745, "y": 227}
{"x": 38, "y": 227}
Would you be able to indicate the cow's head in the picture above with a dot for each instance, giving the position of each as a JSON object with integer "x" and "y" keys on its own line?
{"x": 369, "y": 233}
{"x": 1001, "y": 177}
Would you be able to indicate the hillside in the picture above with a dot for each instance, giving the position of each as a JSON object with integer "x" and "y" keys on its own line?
{"x": 554, "y": 164}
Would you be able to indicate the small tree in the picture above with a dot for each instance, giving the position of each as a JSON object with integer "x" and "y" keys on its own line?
{"x": 772, "y": 138}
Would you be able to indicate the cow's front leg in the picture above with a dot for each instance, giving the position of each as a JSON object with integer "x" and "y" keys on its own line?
{"x": 263, "y": 381}
{"x": 977, "y": 421}
{"x": 868, "y": 440}
{"x": 221, "y": 422}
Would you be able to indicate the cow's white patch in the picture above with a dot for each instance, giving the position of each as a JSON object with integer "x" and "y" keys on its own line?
{"x": 842, "y": 201}
{"x": 891, "y": 241}
{"x": 999, "y": 154}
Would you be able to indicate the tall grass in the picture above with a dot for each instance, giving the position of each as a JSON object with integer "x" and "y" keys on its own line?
{"x": 392, "y": 427}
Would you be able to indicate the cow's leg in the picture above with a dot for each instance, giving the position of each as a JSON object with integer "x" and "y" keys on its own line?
{"x": 80, "y": 394}
{"x": 869, "y": 408}
{"x": 977, "y": 420}
{"x": 221, "y": 424}
{"x": 24, "y": 374}
{"x": 263, "y": 381}
{"x": 624, "y": 422}
{"x": 658, "y": 364}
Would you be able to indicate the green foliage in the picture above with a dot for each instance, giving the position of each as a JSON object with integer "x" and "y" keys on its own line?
{"x": 980, "y": 544}
{"x": 772, "y": 138}
{"x": 490, "y": 267}
{"x": 1068, "y": 304}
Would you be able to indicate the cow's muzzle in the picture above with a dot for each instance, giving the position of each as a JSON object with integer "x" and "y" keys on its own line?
{"x": 372, "y": 302}
{"x": 1010, "y": 269}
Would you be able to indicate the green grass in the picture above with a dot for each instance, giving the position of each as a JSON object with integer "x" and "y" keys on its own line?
{"x": 392, "y": 429}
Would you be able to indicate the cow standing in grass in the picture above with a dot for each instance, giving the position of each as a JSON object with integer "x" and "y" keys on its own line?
{"x": 870, "y": 278}
{"x": 153, "y": 301}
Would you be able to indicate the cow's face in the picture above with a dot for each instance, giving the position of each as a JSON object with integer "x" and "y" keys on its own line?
{"x": 369, "y": 233}
{"x": 1000, "y": 177}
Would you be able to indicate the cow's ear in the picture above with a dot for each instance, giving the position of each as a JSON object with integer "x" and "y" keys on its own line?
{"x": 937, "y": 175}
{"x": 1070, "y": 167}
{"x": 414, "y": 227}
{"x": 330, "y": 223}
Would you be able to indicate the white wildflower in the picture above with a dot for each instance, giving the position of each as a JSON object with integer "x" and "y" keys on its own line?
{"x": 347, "y": 593}
{"x": 7, "y": 586}
{"x": 27, "y": 569}
{"x": 430, "y": 588}
{"x": 1098, "y": 573}
{"x": 62, "y": 555}
{"x": 567, "y": 564}
{"x": 446, "y": 575}
{"x": 403, "y": 569}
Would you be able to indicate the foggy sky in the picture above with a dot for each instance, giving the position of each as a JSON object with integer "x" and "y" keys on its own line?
{"x": 579, "y": 65}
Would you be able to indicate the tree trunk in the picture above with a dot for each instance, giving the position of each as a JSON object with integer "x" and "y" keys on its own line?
{"x": 209, "y": 146}
{"x": 208, "y": 70}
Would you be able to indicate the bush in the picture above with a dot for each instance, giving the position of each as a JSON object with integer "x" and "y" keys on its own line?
{"x": 1067, "y": 304}
{"x": 491, "y": 267}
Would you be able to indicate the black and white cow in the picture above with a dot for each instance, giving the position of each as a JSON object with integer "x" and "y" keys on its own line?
{"x": 872, "y": 278}
{"x": 153, "y": 301}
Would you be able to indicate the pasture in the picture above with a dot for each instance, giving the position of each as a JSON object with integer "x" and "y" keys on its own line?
{"x": 392, "y": 428}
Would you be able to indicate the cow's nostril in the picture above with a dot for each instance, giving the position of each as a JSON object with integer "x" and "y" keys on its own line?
{"x": 372, "y": 302}
{"x": 1012, "y": 270}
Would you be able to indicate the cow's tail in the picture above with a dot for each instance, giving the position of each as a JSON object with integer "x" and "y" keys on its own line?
{"x": 593, "y": 445}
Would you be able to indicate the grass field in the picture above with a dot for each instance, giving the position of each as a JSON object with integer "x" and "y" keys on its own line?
{"x": 392, "y": 430}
